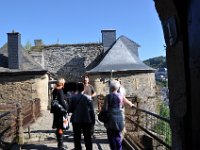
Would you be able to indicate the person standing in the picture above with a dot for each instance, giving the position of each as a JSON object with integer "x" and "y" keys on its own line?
{"x": 88, "y": 88}
{"x": 113, "y": 103}
{"x": 82, "y": 118}
{"x": 69, "y": 90}
{"x": 58, "y": 114}
{"x": 90, "y": 93}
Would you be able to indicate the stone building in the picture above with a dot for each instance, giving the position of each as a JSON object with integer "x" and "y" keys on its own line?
{"x": 67, "y": 60}
{"x": 120, "y": 60}
{"x": 117, "y": 58}
{"x": 21, "y": 78}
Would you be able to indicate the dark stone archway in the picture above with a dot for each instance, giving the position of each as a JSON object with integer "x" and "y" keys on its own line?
{"x": 181, "y": 27}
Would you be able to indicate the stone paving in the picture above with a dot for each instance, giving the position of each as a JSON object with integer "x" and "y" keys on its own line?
{"x": 42, "y": 136}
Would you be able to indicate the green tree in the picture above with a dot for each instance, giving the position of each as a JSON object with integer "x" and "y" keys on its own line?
{"x": 162, "y": 127}
{"x": 156, "y": 62}
{"x": 28, "y": 46}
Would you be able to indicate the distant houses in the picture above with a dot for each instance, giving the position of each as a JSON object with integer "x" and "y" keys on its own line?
{"x": 161, "y": 74}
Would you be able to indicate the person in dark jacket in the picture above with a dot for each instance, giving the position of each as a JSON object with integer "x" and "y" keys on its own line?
{"x": 69, "y": 90}
{"x": 82, "y": 118}
{"x": 58, "y": 115}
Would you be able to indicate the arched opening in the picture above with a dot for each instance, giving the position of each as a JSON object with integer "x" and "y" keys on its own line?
{"x": 181, "y": 29}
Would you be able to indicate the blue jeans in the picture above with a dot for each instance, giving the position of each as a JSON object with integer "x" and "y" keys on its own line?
{"x": 115, "y": 139}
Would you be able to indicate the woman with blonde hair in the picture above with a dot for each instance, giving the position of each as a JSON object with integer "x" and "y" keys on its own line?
{"x": 58, "y": 114}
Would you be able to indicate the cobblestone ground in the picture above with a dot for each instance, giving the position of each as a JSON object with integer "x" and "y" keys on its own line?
{"x": 42, "y": 136}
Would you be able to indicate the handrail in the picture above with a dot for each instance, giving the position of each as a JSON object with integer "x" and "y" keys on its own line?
{"x": 152, "y": 114}
{"x": 152, "y": 135}
{"x": 156, "y": 126}
{"x": 152, "y": 126}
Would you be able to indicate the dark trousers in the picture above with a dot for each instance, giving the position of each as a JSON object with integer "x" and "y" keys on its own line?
{"x": 78, "y": 128}
{"x": 59, "y": 135}
{"x": 115, "y": 139}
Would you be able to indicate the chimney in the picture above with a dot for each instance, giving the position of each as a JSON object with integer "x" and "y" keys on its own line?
{"x": 108, "y": 38}
{"x": 38, "y": 42}
{"x": 14, "y": 50}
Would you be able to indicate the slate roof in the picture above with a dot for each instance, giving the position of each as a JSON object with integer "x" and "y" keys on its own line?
{"x": 122, "y": 56}
{"x": 28, "y": 64}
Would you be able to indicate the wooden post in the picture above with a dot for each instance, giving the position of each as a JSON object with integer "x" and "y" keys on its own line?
{"x": 33, "y": 109}
{"x": 137, "y": 114}
{"x": 20, "y": 133}
{"x": 29, "y": 132}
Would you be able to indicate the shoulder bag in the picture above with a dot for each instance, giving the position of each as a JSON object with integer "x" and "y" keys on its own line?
{"x": 103, "y": 115}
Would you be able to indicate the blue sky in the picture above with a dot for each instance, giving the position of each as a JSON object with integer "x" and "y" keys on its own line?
{"x": 81, "y": 21}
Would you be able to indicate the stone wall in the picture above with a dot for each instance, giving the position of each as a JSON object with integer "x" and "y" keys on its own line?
{"x": 68, "y": 61}
{"x": 141, "y": 85}
{"x": 24, "y": 88}
{"x": 40, "y": 86}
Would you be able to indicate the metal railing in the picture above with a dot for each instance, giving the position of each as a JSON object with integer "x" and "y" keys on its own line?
{"x": 144, "y": 129}
{"x": 14, "y": 118}
{"x": 147, "y": 130}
